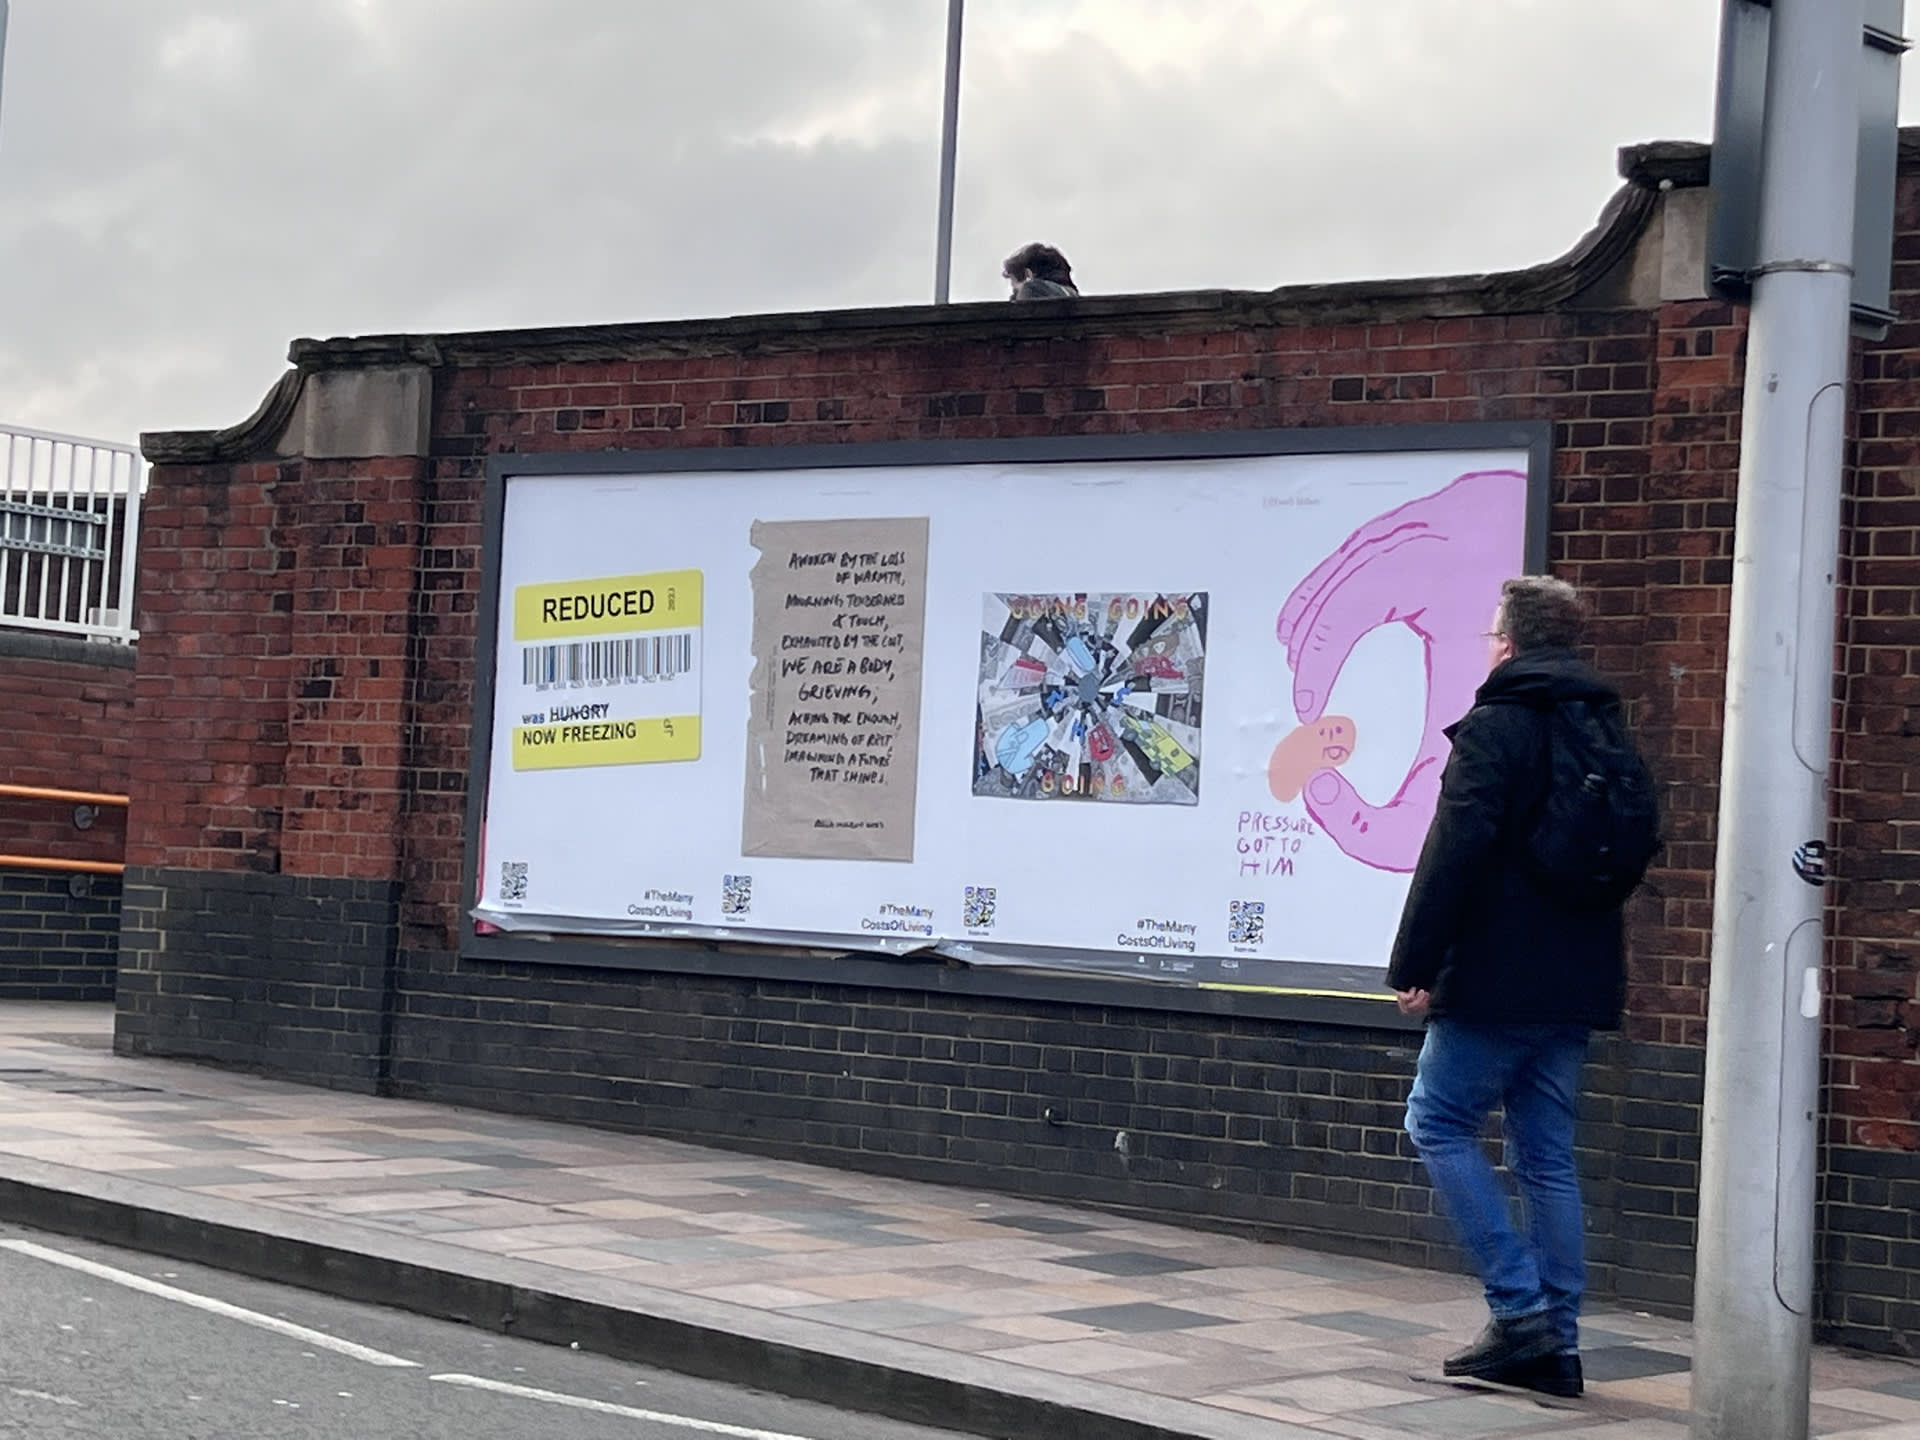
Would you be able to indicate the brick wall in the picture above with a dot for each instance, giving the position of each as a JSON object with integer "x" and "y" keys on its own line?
{"x": 67, "y": 704}
{"x": 212, "y": 684}
{"x": 1266, "y": 1122}
{"x": 305, "y": 692}
{"x": 1871, "y": 1184}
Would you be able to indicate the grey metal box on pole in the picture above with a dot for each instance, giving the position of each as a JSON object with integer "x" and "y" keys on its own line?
{"x": 1739, "y": 108}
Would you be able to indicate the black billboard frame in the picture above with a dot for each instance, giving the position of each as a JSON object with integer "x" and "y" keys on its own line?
{"x": 1326, "y": 993}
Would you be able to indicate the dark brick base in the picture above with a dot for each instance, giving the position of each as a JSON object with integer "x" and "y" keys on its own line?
{"x": 1870, "y": 1256}
{"x": 280, "y": 974}
{"x": 57, "y": 935}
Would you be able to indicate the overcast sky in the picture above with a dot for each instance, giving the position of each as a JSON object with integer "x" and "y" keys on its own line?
{"x": 186, "y": 185}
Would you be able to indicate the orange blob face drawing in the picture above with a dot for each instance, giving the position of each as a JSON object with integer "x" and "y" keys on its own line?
{"x": 1327, "y": 744}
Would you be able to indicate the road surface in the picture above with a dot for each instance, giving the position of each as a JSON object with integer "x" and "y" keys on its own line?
{"x": 107, "y": 1343}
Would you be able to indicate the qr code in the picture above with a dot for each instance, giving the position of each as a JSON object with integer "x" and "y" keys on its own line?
{"x": 1246, "y": 922}
{"x": 978, "y": 912}
{"x": 513, "y": 879}
{"x": 736, "y": 894}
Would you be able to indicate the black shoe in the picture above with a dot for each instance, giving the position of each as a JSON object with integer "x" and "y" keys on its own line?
{"x": 1556, "y": 1374}
{"x": 1504, "y": 1345}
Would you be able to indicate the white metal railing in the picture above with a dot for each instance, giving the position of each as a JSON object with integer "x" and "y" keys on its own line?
{"x": 69, "y": 532}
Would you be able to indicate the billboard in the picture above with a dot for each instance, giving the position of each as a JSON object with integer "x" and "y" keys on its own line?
{"x": 1077, "y": 706}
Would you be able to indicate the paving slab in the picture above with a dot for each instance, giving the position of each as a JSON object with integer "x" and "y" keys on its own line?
{"x": 931, "y": 1303}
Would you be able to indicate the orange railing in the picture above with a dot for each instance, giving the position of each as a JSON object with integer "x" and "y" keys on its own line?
{"x": 74, "y": 797}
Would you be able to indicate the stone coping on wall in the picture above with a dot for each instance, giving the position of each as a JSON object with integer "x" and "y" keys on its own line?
{"x": 1598, "y": 255}
{"x": 64, "y": 649}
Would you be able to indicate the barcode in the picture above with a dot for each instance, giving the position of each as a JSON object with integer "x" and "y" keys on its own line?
{"x": 607, "y": 662}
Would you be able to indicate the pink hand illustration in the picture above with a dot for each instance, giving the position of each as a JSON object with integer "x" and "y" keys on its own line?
{"x": 1434, "y": 565}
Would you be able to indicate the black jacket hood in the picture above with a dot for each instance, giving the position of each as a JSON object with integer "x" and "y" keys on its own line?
{"x": 1545, "y": 677}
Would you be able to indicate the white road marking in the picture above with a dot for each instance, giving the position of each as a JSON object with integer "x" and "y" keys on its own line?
{"x": 208, "y": 1304}
{"x": 41, "y": 1395}
{"x": 602, "y": 1407}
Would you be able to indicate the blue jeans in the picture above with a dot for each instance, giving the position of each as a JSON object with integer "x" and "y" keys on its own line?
{"x": 1533, "y": 1073}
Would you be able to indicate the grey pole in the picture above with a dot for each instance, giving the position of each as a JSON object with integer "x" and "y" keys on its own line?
{"x": 1753, "y": 1283}
{"x": 3, "y": 46}
{"x": 949, "y": 139}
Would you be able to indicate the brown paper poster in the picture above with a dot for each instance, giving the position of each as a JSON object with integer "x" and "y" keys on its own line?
{"x": 833, "y": 742}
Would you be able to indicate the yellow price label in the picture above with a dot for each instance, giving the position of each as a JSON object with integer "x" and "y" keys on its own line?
{"x": 578, "y": 744}
{"x": 609, "y": 605}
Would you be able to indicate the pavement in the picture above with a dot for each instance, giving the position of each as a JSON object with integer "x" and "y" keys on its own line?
{"x": 929, "y": 1303}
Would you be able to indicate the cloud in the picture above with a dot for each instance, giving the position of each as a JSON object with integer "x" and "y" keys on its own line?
{"x": 185, "y": 185}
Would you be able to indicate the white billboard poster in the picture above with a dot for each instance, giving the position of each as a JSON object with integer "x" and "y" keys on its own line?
{"x": 1175, "y": 717}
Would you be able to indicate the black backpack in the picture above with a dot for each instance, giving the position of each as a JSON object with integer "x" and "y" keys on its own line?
{"x": 1597, "y": 828}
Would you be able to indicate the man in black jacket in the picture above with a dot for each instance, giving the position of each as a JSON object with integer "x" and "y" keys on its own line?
{"x": 1512, "y": 982}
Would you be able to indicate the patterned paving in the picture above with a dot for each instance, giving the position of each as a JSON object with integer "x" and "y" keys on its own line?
{"x": 1319, "y": 1344}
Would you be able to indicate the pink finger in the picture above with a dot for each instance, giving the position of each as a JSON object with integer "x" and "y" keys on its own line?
{"x": 1307, "y": 592}
{"x": 1373, "y": 595}
{"x": 1376, "y": 537}
{"x": 1476, "y": 500}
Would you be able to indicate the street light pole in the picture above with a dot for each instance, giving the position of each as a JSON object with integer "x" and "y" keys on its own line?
{"x": 949, "y": 139}
{"x": 3, "y": 46}
{"x": 1753, "y": 1284}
